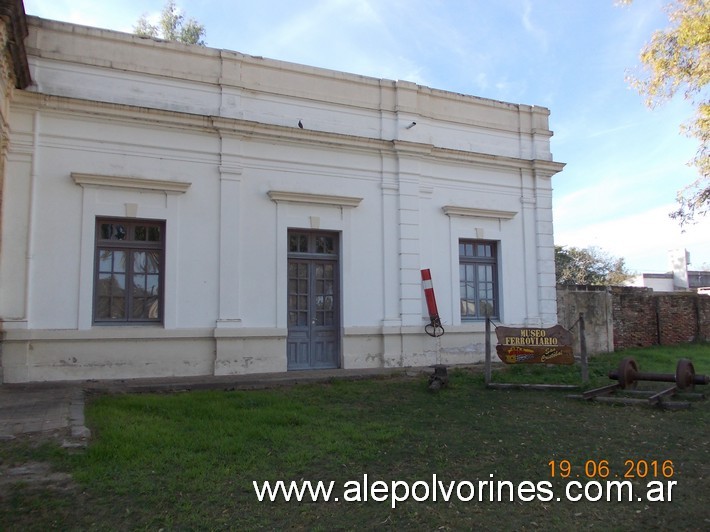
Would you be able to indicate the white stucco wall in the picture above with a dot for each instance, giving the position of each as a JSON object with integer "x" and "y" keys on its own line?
{"x": 207, "y": 140}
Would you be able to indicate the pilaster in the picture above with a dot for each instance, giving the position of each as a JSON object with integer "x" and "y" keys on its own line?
{"x": 229, "y": 239}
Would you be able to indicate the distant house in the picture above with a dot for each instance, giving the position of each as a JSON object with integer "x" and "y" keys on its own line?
{"x": 680, "y": 278}
{"x": 163, "y": 213}
{"x": 699, "y": 281}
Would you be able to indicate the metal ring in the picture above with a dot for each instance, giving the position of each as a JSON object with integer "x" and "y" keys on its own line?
{"x": 433, "y": 330}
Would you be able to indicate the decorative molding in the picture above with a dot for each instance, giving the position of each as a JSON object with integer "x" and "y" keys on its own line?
{"x": 453, "y": 210}
{"x": 230, "y": 171}
{"x": 249, "y": 129}
{"x": 426, "y": 190}
{"x": 545, "y": 168}
{"x": 161, "y": 185}
{"x": 313, "y": 199}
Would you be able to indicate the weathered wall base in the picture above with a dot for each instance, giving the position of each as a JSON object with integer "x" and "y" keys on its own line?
{"x": 41, "y": 355}
{"x": 125, "y": 353}
{"x": 240, "y": 351}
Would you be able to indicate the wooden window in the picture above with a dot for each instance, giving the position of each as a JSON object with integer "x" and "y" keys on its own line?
{"x": 129, "y": 271}
{"x": 478, "y": 278}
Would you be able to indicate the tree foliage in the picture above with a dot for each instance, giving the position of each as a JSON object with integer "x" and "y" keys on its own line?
{"x": 172, "y": 26}
{"x": 678, "y": 59}
{"x": 590, "y": 266}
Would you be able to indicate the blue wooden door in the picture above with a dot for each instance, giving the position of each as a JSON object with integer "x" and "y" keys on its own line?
{"x": 313, "y": 301}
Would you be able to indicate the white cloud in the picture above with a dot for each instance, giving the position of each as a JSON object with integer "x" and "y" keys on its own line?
{"x": 535, "y": 31}
{"x": 642, "y": 239}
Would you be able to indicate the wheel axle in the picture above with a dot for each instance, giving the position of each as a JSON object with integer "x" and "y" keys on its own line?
{"x": 685, "y": 378}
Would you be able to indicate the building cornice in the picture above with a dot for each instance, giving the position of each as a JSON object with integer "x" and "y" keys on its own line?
{"x": 241, "y": 128}
{"x": 475, "y": 212}
{"x": 128, "y": 182}
{"x": 313, "y": 199}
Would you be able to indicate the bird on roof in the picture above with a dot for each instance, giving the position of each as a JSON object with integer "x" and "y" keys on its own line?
{"x": 300, "y": 124}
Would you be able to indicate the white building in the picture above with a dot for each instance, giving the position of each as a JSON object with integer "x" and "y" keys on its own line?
{"x": 679, "y": 278}
{"x": 163, "y": 213}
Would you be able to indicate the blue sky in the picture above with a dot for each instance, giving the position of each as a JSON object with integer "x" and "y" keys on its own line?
{"x": 625, "y": 162}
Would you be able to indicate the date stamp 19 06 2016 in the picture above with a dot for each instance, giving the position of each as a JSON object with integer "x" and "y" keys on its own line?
{"x": 632, "y": 469}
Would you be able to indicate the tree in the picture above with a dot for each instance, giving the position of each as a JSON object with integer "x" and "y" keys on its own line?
{"x": 590, "y": 266}
{"x": 676, "y": 59}
{"x": 171, "y": 27}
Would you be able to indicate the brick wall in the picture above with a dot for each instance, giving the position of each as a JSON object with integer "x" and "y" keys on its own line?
{"x": 704, "y": 317}
{"x": 639, "y": 317}
{"x": 634, "y": 317}
{"x": 678, "y": 320}
{"x": 642, "y": 318}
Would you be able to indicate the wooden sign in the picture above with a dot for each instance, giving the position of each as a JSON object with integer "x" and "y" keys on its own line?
{"x": 535, "y": 346}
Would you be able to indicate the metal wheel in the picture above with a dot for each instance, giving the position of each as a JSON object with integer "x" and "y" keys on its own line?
{"x": 627, "y": 373}
{"x": 685, "y": 374}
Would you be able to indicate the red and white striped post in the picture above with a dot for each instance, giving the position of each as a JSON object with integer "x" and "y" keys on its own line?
{"x": 434, "y": 328}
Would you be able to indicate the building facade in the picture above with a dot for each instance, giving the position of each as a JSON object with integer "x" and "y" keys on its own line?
{"x": 173, "y": 210}
{"x": 679, "y": 278}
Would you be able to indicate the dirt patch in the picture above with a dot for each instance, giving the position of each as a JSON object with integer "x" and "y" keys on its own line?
{"x": 39, "y": 475}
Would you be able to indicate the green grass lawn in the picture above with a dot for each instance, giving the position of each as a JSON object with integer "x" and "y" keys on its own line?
{"x": 188, "y": 460}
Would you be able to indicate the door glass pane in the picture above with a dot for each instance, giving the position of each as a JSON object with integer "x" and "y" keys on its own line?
{"x": 154, "y": 233}
{"x": 103, "y": 287}
{"x": 118, "y": 232}
{"x": 328, "y": 319}
{"x": 113, "y": 231}
{"x": 112, "y": 261}
{"x": 105, "y": 260}
{"x": 325, "y": 244}
{"x": 139, "y": 308}
{"x": 152, "y": 262}
{"x": 103, "y": 304}
{"x": 118, "y": 283}
{"x": 139, "y": 285}
{"x": 139, "y": 262}
{"x": 118, "y": 308}
{"x": 298, "y": 243}
{"x": 152, "y": 284}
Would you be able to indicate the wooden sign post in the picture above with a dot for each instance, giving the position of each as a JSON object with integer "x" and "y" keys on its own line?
{"x": 529, "y": 345}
